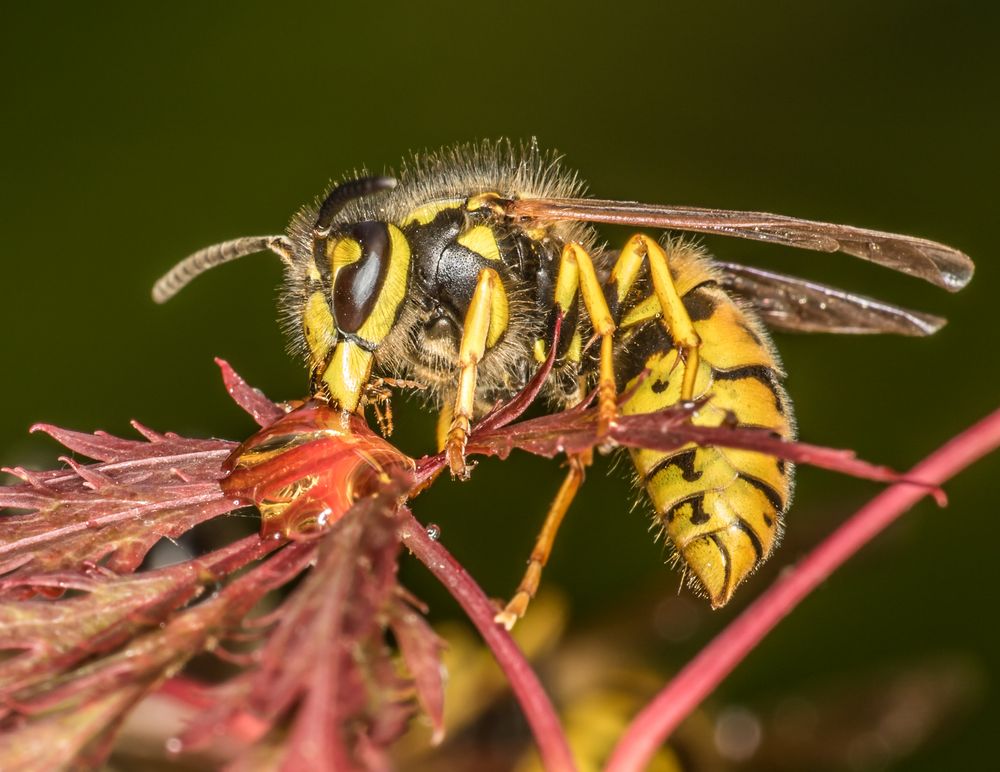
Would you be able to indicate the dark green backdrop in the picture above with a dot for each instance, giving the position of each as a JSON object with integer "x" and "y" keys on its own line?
{"x": 132, "y": 136}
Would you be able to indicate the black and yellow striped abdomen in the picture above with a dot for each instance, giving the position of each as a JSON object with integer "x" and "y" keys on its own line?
{"x": 721, "y": 508}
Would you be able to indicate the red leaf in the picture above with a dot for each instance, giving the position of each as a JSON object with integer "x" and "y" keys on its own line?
{"x": 421, "y": 649}
{"x": 263, "y": 410}
{"x": 109, "y": 514}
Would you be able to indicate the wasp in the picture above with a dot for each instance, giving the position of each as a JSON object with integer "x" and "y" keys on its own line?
{"x": 451, "y": 276}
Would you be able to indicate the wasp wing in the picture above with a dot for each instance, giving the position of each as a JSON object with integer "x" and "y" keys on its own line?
{"x": 928, "y": 260}
{"x": 795, "y": 305}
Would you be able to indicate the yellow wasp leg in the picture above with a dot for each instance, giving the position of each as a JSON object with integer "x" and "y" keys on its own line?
{"x": 475, "y": 334}
{"x": 543, "y": 545}
{"x": 675, "y": 316}
{"x": 443, "y": 425}
{"x": 577, "y": 269}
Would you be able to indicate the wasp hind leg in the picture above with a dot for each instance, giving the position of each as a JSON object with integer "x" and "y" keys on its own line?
{"x": 485, "y": 322}
{"x": 543, "y": 544}
{"x": 639, "y": 249}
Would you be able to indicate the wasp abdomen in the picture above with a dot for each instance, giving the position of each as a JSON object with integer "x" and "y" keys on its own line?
{"x": 721, "y": 508}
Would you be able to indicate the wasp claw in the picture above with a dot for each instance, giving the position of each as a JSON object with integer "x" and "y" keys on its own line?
{"x": 513, "y": 611}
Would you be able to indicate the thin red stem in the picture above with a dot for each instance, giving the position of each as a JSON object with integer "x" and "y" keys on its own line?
{"x": 538, "y": 711}
{"x": 654, "y": 724}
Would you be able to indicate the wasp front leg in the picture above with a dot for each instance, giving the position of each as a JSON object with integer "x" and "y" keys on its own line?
{"x": 640, "y": 248}
{"x": 485, "y": 322}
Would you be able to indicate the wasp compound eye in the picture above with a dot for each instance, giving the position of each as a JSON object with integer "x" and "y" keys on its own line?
{"x": 358, "y": 284}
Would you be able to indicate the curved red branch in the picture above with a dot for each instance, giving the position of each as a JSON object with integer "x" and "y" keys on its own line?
{"x": 538, "y": 711}
{"x": 698, "y": 679}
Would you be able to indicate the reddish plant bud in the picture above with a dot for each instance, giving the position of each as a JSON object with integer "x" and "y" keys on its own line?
{"x": 304, "y": 471}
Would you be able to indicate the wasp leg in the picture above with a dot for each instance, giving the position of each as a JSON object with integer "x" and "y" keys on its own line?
{"x": 483, "y": 325}
{"x": 543, "y": 545}
{"x": 641, "y": 248}
{"x": 444, "y": 424}
{"x": 378, "y": 395}
{"x": 576, "y": 269}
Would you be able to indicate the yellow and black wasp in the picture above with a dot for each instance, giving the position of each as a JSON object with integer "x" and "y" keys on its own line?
{"x": 451, "y": 276}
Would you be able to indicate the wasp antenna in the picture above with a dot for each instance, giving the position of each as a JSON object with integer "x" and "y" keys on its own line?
{"x": 344, "y": 192}
{"x": 192, "y": 266}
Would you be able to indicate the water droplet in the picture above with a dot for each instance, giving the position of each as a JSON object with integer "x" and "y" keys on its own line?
{"x": 433, "y": 531}
{"x": 174, "y": 745}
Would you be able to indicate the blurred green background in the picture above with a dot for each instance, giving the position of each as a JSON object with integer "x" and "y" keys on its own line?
{"x": 132, "y": 136}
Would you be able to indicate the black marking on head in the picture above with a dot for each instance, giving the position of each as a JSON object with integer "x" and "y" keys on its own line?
{"x": 773, "y": 497}
{"x": 700, "y": 302}
{"x": 758, "y": 548}
{"x": 683, "y": 461}
{"x": 365, "y": 345}
{"x": 358, "y": 284}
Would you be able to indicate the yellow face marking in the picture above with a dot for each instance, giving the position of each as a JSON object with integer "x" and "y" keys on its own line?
{"x": 383, "y": 314}
{"x": 347, "y": 374}
{"x": 318, "y": 328}
{"x": 312, "y": 271}
{"x": 482, "y": 241}
{"x": 424, "y": 214}
{"x": 343, "y": 252}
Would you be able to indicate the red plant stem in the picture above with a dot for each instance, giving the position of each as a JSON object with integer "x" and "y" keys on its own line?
{"x": 654, "y": 724}
{"x": 538, "y": 711}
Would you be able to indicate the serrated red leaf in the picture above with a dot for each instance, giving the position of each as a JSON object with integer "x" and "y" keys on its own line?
{"x": 111, "y": 513}
{"x": 421, "y": 649}
{"x": 252, "y": 400}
